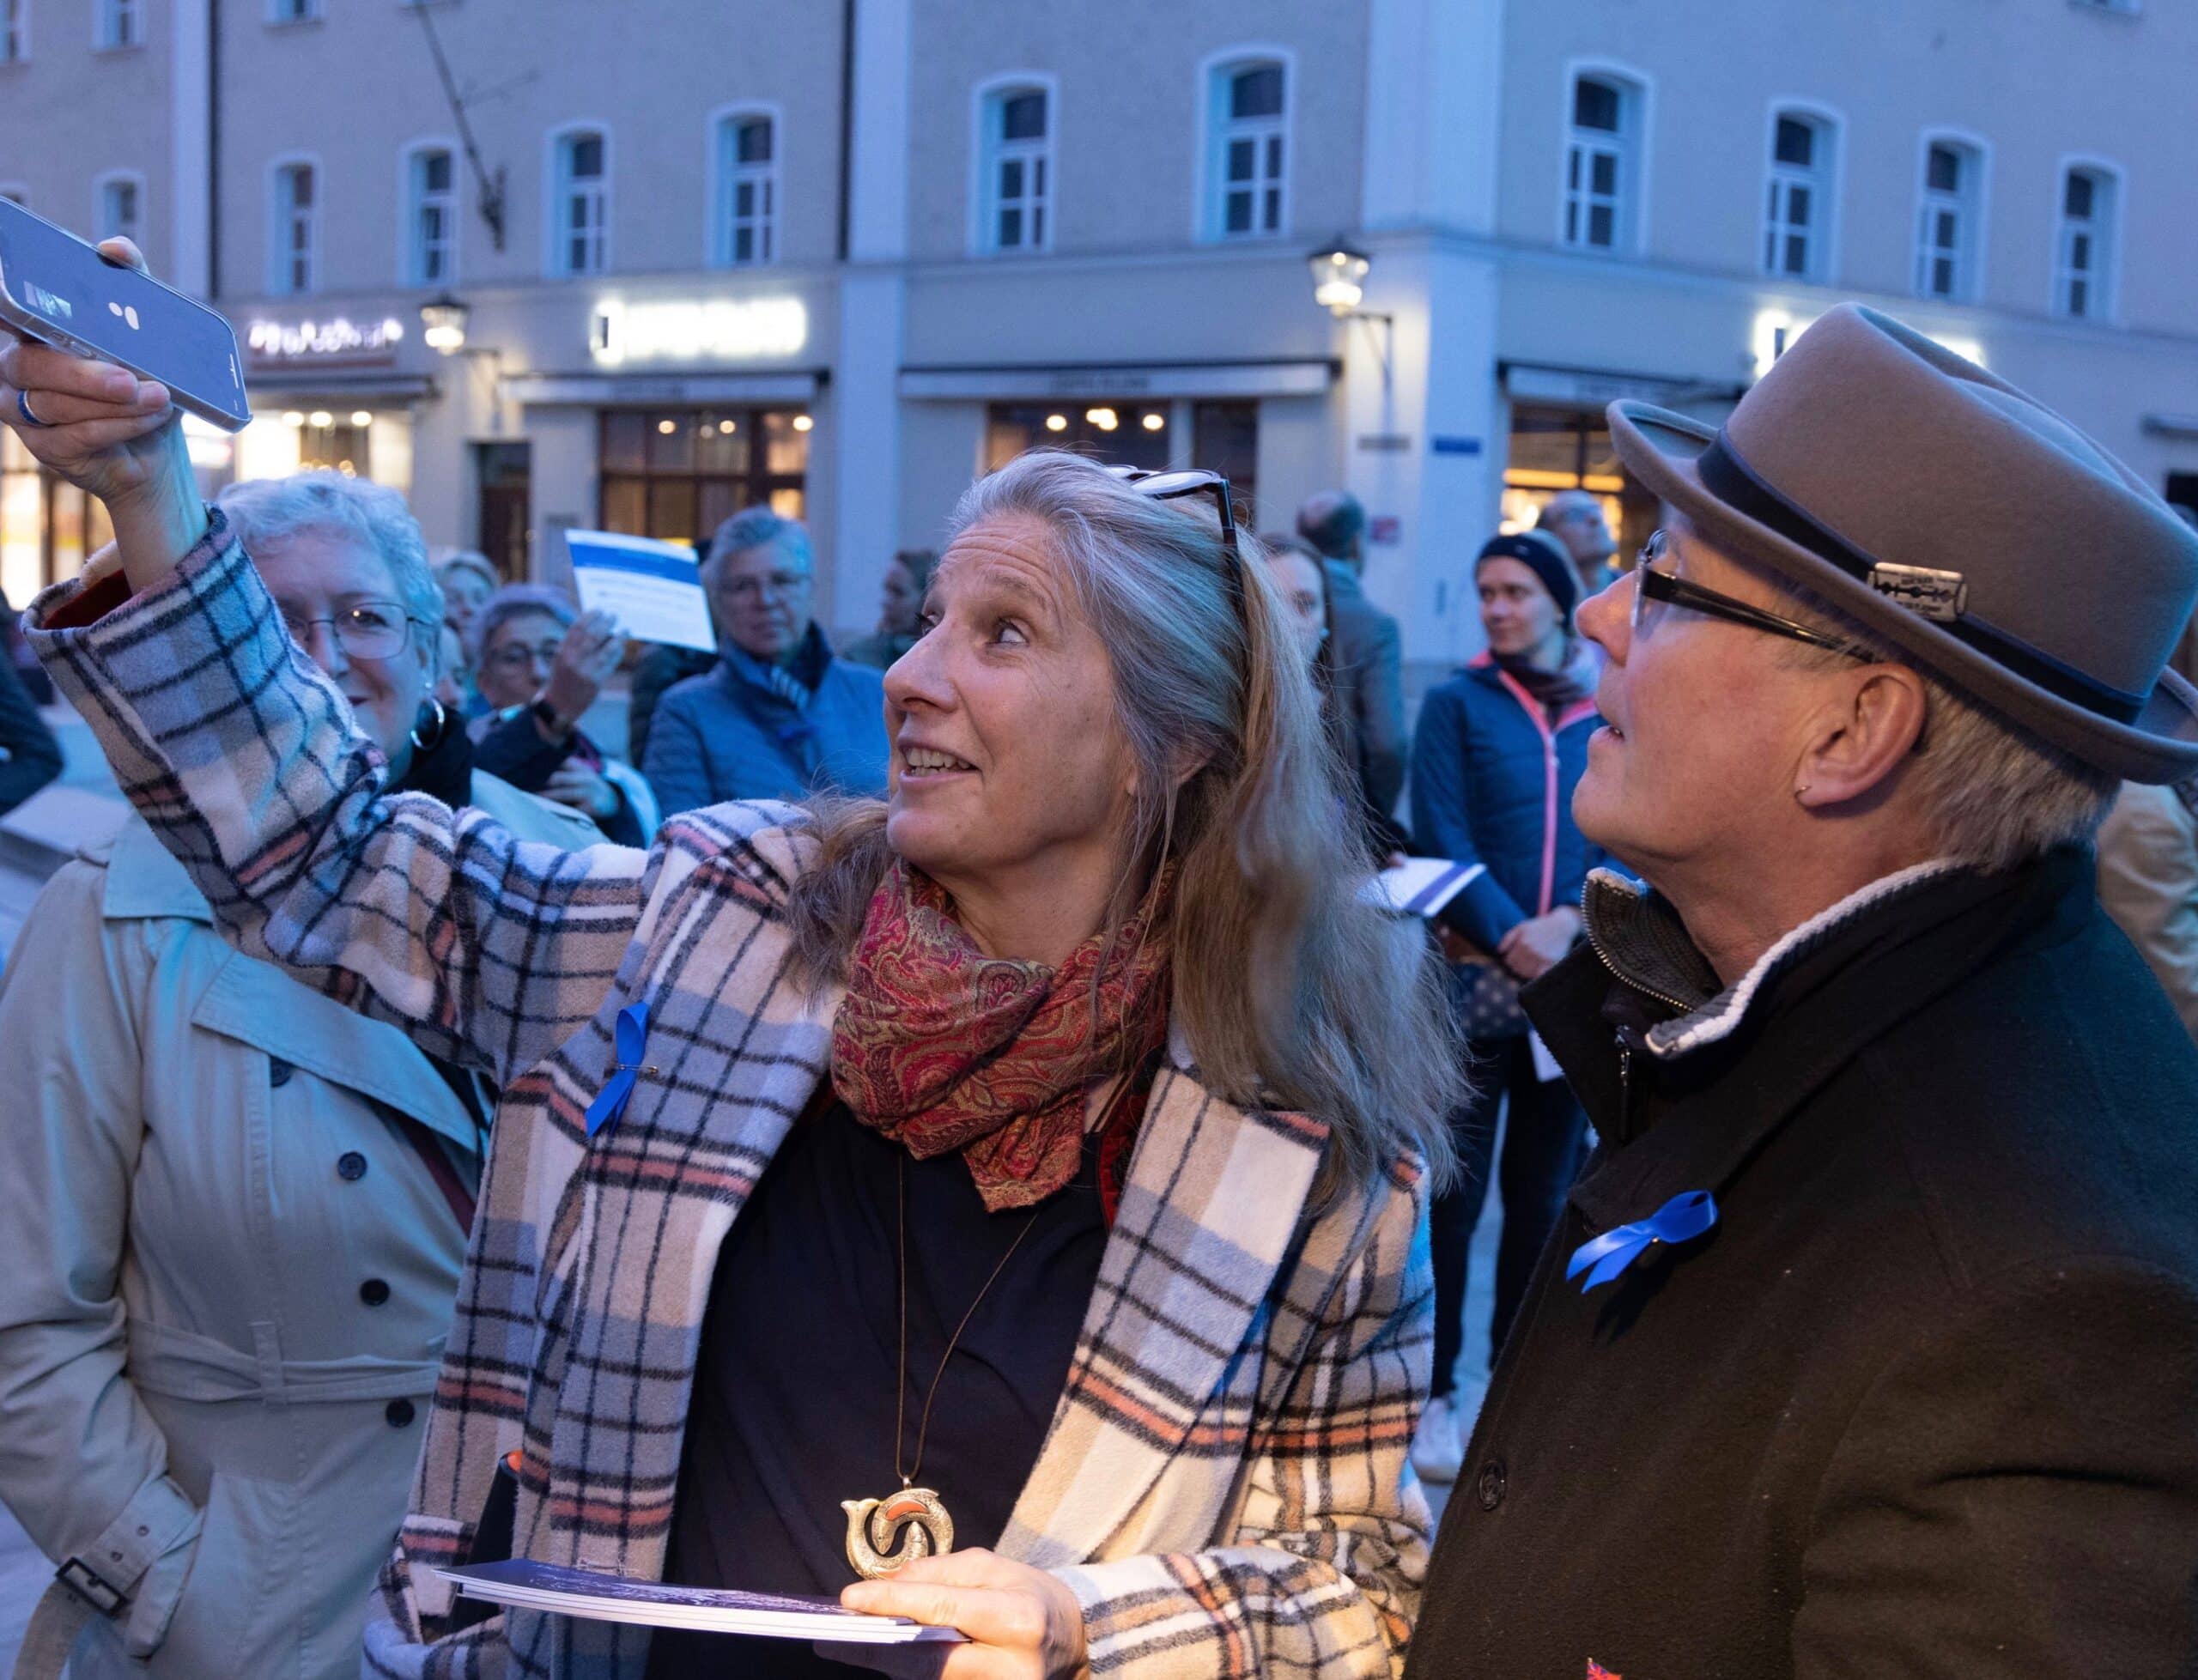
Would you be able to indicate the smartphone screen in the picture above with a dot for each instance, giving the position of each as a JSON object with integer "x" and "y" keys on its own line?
{"x": 56, "y": 288}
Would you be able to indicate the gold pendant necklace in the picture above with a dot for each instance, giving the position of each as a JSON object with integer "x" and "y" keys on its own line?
{"x": 883, "y": 1535}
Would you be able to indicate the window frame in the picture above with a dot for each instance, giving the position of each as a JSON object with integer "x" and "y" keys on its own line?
{"x": 987, "y": 98}
{"x": 105, "y": 38}
{"x": 2105, "y": 276}
{"x": 101, "y": 185}
{"x": 279, "y": 220}
{"x": 1209, "y": 210}
{"x": 1968, "y": 288}
{"x": 1632, "y": 207}
{"x": 722, "y": 174}
{"x": 557, "y": 244}
{"x": 408, "y": 206}
{"x": 15, "y": 31}
{"x": 1827, "y": 180}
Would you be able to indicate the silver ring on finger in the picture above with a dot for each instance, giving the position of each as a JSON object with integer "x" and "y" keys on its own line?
{"x": 23, "y": 407}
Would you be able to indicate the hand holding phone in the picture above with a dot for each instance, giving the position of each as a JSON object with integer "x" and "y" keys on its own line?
{"x": 101, "y": 427}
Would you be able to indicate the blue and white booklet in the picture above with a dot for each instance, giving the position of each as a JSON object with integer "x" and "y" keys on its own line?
{"x": 599, "y": 1597}
{"x": 1420, "y": 886}
{"x": 653, "y": 588}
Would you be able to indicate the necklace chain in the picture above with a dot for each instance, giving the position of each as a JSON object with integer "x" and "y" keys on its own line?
{"x": 901, "y": 1403}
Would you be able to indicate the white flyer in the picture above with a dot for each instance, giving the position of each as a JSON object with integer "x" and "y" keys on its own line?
{"x": 1420, "y": 886}
{"x": 655, "y": 590}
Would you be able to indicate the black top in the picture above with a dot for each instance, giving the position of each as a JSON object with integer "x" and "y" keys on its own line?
{"x": 1925, "y": 1400}
{"x": 796, "y": 1378}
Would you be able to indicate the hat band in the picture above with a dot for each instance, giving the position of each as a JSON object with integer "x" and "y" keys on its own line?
{"x": 1727, "y": 476}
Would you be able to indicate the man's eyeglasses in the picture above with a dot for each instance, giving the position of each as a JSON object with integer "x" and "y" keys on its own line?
{"x": 364, "y": 630}
{"x": 783, "y": 586}
{"x": 1651, "y": 585}
{"x": 1186, "y": 482}
{"x": 518, "y": 656}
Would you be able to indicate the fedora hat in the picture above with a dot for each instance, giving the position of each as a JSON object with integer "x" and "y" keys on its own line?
{"x": 1970, "y": 527}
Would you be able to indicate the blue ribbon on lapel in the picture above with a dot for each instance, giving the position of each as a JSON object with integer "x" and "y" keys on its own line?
{"x": 633, "y": 1032}
{"x": 1682, "y": 1219}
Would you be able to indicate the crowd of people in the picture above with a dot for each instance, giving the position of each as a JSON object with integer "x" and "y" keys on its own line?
{"x": 948, "y": 1125}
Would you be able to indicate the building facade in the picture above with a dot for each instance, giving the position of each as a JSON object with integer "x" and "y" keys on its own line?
{"x": 840, "y": 259}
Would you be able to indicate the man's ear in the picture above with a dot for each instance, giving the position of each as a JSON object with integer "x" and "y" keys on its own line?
{"x": 1869, "y": 724}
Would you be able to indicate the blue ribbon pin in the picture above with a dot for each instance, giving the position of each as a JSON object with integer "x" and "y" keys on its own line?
{"x": 1682, "y": 1219}
{"x": 633, "y": 1032}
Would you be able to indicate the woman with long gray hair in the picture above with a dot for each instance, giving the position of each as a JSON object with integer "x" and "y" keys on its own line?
{"x": 1001, "y": 1205}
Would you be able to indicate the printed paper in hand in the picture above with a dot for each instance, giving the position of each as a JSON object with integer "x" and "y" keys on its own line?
{"x": 599, "y": 1597}
{"x": 1420, "y": 886}
{"x": 655, "y": 590}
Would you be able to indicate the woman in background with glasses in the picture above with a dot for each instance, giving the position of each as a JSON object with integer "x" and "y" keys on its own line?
{"x": 234, "y": 1210}
{"x": 541, "y": 665}
{"x": 1044, "y": 1147}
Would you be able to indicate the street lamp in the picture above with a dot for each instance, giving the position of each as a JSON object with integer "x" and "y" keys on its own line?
{"x": 445, "y": 317}
{"x": 1339, "y": 272}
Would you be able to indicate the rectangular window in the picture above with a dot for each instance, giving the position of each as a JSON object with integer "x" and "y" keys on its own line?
{"x": 15, "y": 31}
{"x": 1018, "y": 148}
{"x": 1252, "y": 152}
{"x": 1121, "y": 432}
{"x": 1599, "y": 164}
{"x": 2083, "y": 244}
{"x": 1945, "y": 259}
{"x": 120, "y": 202}
{"x": 583, "y": 244}
{"x": 121, "y": 24}
{"x": 679, "y": 474}
{"x": 431, "y": 218}
{"x": 1795, "y": 222}
{"x": 750, "y": 170}
{"x": 295, "y": 266}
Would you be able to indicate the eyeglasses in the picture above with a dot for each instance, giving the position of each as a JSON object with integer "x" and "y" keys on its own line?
{"x": 1650, "y": 585}
{"x": 780, "y": 585}
{"x": 1186, "y": 482}
{"x": 364, "y": 630}
{"x": 517, "y": 655}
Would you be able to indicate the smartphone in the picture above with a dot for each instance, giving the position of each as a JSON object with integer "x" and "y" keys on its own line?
{"x": 58, "y": 289}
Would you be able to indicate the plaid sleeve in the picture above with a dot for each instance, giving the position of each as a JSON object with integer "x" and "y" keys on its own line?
{"x": 1324, "y": 1572}
{"x": 245, "y": 759}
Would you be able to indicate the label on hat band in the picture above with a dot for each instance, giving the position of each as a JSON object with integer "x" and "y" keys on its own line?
{"x": 1942, "y": 596}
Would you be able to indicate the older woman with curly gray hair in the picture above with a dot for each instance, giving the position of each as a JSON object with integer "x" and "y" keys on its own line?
{"x": 236, "y": 1211}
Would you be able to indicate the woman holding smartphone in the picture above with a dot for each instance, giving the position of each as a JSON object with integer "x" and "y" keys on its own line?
{"x": 1045, "y": 1150}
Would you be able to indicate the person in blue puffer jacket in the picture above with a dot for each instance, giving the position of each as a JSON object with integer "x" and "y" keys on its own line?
{"x": 1496, "y": 756}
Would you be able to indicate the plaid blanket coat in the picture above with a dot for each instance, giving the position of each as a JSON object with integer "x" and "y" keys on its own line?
{"x": 1224, "y": 1484}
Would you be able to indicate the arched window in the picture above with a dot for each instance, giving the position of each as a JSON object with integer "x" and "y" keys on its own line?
{"x": 1014, "y": 167}
{"x": 747, "y": 213}
{"x": 1798, "y": 215}
{"x": 293, "y": 241}
{"x": 1247, "y": 148}
{"x": 1949, "y": 217}
{"x": 1602, "y": 162}
{"x": 430, "y": 215}
{"x": 579, "y": 208}
{"x": 2084, "y": 242}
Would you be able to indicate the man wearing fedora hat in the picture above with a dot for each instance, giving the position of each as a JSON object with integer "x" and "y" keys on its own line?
{"x": 1867, "y": 1343}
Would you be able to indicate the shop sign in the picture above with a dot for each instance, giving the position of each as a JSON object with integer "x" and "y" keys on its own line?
{"x": 339, "y": 341}
{"x": 699, "y": 330}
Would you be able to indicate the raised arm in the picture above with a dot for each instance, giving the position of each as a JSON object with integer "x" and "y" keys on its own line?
{"x": 247, "y": 763}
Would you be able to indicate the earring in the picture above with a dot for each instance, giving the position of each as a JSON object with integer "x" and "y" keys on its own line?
{"x": 436, "y": 730}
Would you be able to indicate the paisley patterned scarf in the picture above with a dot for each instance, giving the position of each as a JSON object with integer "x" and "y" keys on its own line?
{"x": 942, "y": 1047}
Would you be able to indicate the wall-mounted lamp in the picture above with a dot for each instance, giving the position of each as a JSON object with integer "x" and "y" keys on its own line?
{"x": 445, "y": 317}
{"x": 1339, "y": 272}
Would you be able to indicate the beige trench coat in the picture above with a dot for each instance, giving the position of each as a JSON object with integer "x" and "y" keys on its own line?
{"x": 228, "y": 1273}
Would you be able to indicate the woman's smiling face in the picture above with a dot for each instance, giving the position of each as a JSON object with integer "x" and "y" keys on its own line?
{"x": 1009, "y": 760}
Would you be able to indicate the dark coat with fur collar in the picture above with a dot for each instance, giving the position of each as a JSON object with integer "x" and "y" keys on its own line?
{"x": 1925, "y": 1400}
